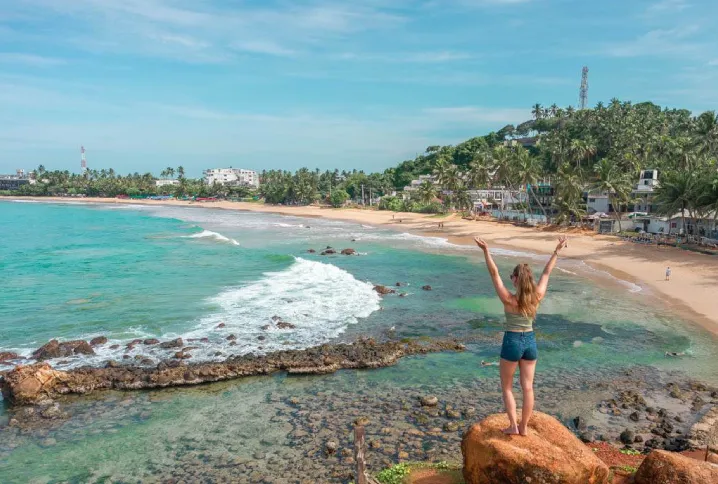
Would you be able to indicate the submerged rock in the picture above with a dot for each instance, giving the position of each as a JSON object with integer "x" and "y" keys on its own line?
{"x": 151, "y": 341}
{"x": 549, "y": 454}
{"x": 349, "y": 252}
{"x": 426, "y": 288}
{"x": 285, "y": 325}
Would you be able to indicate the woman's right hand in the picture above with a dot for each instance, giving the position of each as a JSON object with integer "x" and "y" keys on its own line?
{"x": 481, "y": 243}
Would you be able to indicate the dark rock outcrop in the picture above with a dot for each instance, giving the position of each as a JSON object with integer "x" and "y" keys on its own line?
{"x": 383, "y": 290}
{"x": 28, "y": 384}
{"x": 100, "y": 340}
{"x": 426, "y": 288}
{"x": 8, "y": 355}
{"x": 175, "y": 343}
{"x": 348, "y": 252}
{"x": 328, "y": 251}
{"x": 55, "y": 349}
{"x": 285, "y": 325}
{"x": 151, "y": 341}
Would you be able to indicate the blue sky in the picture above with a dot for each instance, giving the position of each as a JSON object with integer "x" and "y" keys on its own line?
{"x": 144, "y": 84}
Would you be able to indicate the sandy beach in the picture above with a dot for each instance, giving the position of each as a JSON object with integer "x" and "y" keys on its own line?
{"x": 691, "y": 292}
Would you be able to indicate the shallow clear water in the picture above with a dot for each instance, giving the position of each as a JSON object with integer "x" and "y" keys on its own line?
{"x": 135, "y": 271}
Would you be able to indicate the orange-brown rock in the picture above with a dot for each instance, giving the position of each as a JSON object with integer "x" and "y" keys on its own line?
{"x": 549, "y": 454}
{"x": 662, "y": 467}
{"x": 31, "y": 383}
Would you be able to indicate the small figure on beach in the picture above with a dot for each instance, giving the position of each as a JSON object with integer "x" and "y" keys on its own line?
{"x": 668, "y": 273}
{"x": 519, "y": 343}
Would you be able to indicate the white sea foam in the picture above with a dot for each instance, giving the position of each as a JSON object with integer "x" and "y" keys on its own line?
{"x": 209, "y": 234}
{"x": 24, "y": 201}
{"x": 632, "y": 287}
{"x": 320, "y": 300}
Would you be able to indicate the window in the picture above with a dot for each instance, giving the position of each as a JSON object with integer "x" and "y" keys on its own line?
{"x": 645, "y": 182}
{"x": 591, "y": 200}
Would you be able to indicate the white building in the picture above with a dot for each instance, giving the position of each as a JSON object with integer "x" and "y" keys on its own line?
{"x": 231, "y": 176}
{"x": 500, "y": 198}
{"x": 598, "y": 204}
{"x": 643, "y": 192}
{"x": 164, "y": 183}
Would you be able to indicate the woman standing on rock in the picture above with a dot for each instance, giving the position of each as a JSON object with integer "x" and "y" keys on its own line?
{"x": 519, "y": 345}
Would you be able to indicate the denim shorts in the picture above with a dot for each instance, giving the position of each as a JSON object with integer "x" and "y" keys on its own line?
{"x": 519, "y": 346}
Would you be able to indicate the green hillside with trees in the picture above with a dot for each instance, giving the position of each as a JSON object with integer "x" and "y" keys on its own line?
{"x": 600, "y": 150}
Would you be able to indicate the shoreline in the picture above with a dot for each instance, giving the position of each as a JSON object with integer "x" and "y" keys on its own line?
{"x": 688, "y": 294}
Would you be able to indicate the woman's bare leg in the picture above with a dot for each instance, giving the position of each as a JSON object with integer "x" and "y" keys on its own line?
{"x": 527, "y": 368}
{"x": 507, "y": 370}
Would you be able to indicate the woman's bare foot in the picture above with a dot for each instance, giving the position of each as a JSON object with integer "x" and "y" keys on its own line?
{"x": 511, "y": 430}
{"x": 523, "y": 430}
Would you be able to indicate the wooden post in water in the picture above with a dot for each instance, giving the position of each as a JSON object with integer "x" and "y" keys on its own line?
{"x": 359, "y": 455}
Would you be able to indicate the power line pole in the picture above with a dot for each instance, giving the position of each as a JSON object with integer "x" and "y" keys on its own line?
{"x": 362, "y": 195}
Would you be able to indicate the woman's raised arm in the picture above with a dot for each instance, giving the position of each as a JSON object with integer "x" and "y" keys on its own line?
{"x": 502, "y": 292}
{"x": 542, "y": 286}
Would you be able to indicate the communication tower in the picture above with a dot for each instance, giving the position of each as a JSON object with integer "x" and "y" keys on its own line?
{"x": 583, "y": 95}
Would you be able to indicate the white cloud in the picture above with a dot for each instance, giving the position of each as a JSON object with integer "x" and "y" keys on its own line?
{"x": 479, "y": 115}
{"x": 203, "y": 31}
{"x": 427, "y": 57}
{"x": 267, "y": 47}
{"x": 660, "y": 42}
{"x": 30, "y": 59}
{"x": 667, "y": 6}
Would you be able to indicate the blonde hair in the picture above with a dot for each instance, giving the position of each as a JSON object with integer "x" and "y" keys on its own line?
{"x": 526, "y": 296}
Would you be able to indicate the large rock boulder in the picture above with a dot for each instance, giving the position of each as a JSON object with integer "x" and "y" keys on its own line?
{"x": 662, "y": 467}
{"x": 549, "y": 454}
{"x": 55, "y": 349}
{"x": 27, "y": 385}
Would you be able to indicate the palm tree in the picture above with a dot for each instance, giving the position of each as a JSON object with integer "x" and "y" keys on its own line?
{"x": 537, "y": 111}
{"x": 427, "y": 192}
{"x": 180, "y": 172}
{"x": 706, "y": 133}
{"x": 614, "y": 183}
{"x": 677, "y": 192}
{"x": 480, "y": 170}
{"x": 568, "y": 201}
{"x": 553, "y": 110}
{"x": 528, "y": 170}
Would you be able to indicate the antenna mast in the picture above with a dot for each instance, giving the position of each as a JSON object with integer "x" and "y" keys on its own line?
{"x": 583, "y": 96}
{"x": 83, "y": 161}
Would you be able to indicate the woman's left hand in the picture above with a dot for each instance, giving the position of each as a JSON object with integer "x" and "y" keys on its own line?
{"x": 481, "y": 243}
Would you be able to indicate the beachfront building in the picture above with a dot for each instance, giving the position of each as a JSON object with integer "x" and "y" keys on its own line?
{"x": 488, "y": 199}
{"x": 415, "y": 184}
{"x": 14, "y": 182}
{"x": 166, "y": 182}
{"x": 643, "y": 193}
{"x": 231, "y": 177}
{"x": 704, "y": 226}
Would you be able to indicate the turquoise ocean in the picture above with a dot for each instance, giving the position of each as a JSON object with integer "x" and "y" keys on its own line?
{"x": 72, "y": 271}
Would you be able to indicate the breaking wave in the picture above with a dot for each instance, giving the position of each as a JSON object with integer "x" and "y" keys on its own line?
{"x": 213, "y": 235}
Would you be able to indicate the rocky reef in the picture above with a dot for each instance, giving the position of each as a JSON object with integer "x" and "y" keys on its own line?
{"x": 30, "y": 384}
